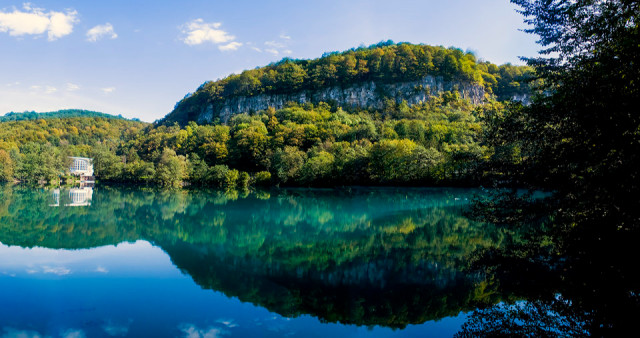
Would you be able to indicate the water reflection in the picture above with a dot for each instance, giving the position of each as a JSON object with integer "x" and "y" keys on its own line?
{"x": 388, "y": 257}
{"x": 75, "y": 197}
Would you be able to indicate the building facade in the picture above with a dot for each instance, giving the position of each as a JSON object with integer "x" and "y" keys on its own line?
{"x": 82, "y": 167}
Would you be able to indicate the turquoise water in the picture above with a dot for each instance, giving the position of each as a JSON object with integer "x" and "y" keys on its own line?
{"x": 127, "y": 262}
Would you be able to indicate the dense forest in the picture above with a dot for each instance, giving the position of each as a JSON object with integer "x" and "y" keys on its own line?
{"x": 437, "y": 142}
{"x": 385, "y": 62}
{"x": 38, "y": 150}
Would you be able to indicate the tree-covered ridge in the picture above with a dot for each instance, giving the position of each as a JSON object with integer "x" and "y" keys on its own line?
{"x": 385, "y": 62}
{"x": 59, "y": 114}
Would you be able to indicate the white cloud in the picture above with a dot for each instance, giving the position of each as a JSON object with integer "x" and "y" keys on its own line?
{"x": 257, "y": 49}
{"x": 72, "y": 87}
{"x": 101, "y": 269}
{"x": 61, "y": 24}
{"x": 285, "y": 37}
{"x": 98, "y": 32}
{"x": 108, "y": 90}
{"x": 35, "y": 87}
{"x": 35, "y": 21}
{"x": 230, "y": 46}
{"x": 198, "y": 32}
{"x": 272, "y": 51}
{"x": 50, "y": 90}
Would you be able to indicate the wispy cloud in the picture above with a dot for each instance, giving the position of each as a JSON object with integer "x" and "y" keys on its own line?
{"x": 197, "y": 32}
{"x": 230, "y": 46}
{"x": 36, "y": 21}
{"x": 276, "y": 47}
{"x": 100, "y": 31}
{"x": 108, "y": 90}
{"x": 274, "y": 44}
{"x": 72, "y": 87}
{"x": 50, "y": 90}
{"x": 101, "y": 269}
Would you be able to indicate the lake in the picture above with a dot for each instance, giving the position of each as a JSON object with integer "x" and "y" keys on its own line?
{"x": 114, "y": 262}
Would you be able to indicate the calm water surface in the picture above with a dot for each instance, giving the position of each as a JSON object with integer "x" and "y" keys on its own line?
{"x": 117, "y": 262}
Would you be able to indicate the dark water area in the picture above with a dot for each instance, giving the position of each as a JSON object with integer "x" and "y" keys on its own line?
{"x": 374, "y": 262}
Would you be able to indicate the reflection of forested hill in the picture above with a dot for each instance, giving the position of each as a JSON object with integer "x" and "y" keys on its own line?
{"x": 371, "y": 257}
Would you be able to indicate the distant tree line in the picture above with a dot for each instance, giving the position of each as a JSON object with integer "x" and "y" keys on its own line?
{"x": 65, "y": 113}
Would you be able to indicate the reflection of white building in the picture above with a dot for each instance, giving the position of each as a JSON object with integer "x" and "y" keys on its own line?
{"x": 82, "y": 167}
{"x": 55, "y": 198}
{"x": 78, "y": 197}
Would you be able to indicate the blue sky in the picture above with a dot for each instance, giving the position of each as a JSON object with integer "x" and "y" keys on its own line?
{"x": 138, "y": 58}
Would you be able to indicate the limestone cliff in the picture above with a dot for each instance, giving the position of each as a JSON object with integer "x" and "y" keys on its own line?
{"x": 363, "y": 95}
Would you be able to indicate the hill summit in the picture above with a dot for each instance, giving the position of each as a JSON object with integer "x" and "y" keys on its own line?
{"x": 365, "y": 77}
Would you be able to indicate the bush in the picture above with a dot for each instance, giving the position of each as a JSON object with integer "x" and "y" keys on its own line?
{"x": 262, "y": 178}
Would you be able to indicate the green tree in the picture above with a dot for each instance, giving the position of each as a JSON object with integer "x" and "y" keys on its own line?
{"x": 287, "y": 163}
{"x": 6, "y": 166}
{"x": 170, "y": 169}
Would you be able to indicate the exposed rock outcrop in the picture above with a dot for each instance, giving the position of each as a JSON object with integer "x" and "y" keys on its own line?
{"x": 364, "y": 95}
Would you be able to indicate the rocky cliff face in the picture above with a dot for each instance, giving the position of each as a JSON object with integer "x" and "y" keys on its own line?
{"x": 364, "y": 95}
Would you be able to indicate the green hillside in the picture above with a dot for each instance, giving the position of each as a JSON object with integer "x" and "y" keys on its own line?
{"x": 382, "y": 63}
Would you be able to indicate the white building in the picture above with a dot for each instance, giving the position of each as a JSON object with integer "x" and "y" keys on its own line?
{"x": 83, "y": 167}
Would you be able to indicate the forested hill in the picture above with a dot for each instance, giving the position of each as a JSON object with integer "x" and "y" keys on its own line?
{"x": 364, "y": 77}
{"x": 65, "y": 113}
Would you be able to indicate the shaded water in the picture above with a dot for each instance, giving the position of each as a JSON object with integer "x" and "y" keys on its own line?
{"x": 128, "y": 262}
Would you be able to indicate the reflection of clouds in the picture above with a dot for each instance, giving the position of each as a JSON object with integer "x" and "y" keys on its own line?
{"x": 110, "y": 259}
{"x": 191, "y": 331}
{"x": 227, "y": 322}
{"x": 9, "y": 332}
{"x": 115, "y": 329}
{"x": 60, "y": 270}
{"x": 73, "y": 333}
